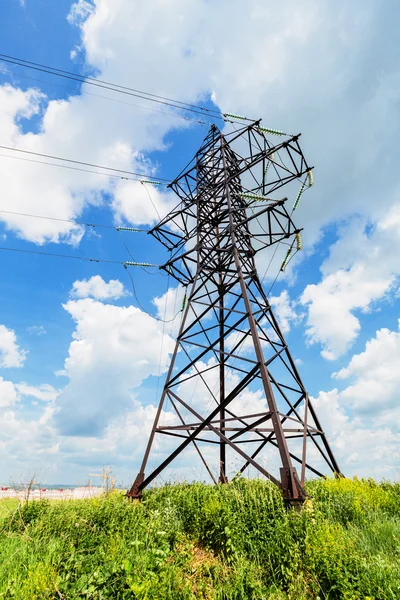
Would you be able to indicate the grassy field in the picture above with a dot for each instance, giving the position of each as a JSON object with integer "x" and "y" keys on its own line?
{"x": 7, "y": 507}
{"x": 194, "y": 541}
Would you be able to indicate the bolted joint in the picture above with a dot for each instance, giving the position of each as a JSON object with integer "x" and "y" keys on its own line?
{"x": 251, "y": 252}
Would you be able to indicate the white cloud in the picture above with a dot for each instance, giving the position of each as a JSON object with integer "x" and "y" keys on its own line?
{"x": 44, "y": 392}
{"x": 197, "y": 392}
{"x": 362, "y": 420}
{"x": 285, "y": 311}
{"x": 11, "y": 355}
{"x": 114, "y": 350}
{"x": 141, "y": 204}
{"x": 8, "y": 393}
{"x": 361, "y": 269}
{"x": 79, "y": 12}
{"x": 64, "y": 193}
{"x": 97, "y": 288}
{"x": 376, "y": 377}
{"x": 361, "y": 448}
{"x": 170, "y": 303}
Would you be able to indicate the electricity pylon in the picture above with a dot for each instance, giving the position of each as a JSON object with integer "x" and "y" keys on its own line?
{"x": 229, "y": 342}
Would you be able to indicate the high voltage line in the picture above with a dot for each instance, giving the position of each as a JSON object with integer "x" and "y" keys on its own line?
{"x": 49, "y": 164}
{"x": 87, "y": 164}
{"x": 86, "y": 93}
{"x": 124, "y": 264}
{"x": 48, "y": 218}
{"x": 150, "y": 97}
{"x": 87, "y": 258}
{"x": 61, "y": 72}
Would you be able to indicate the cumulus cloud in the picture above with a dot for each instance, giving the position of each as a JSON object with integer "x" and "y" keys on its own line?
{"x": 362, "y": 419}
{"x": 97, "y": 288}
{"x": 114, "y": 350}
{"x": 44, "y": 392}
{"x": 353, "y": 439}
{"x": 285, "y": 311}
{"x": 70, "y": 129}
{"x": 199, "y": 392}
{"x": 11, "y": 355}
{"x": 79, "y": 12}
{"x": 141, "y": 204}
{"x": 375, "y": 377}
{"x": 362, "y": 268}
{"x": 170, "y": 303}
{"x": 11, "y": 393}
{"x": 8, "y": 393}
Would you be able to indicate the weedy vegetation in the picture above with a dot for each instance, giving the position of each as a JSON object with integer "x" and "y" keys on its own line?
{"x": 193, "y": 541}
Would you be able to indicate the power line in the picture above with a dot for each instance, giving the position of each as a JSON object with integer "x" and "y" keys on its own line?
{"x": 125, "y": 264}
{"x": 80, "y": 162}
{"x": 8, "y": 58}
{"x": 87, "y": 258}
{"x": 143, "y": 309}
{"x": 30, "y": 215}
{"x": 151, "y": 200}
{"x": 49, "y": 164}
{"x": 112, "y": 87}
{"x": 85, "y": 93}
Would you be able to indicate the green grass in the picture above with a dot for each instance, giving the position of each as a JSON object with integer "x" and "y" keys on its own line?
{"x": 7, "y": 505}
{"x": 193, "y": 541}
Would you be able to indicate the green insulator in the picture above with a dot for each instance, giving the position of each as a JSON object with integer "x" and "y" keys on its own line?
{"x": 285, "y": 260}
{"x": 152, "y": 182}
{"x": 184, "y": 302}
{"x": 271, "y": 131}
{"x": 232, "y": 116}
{"x": 130, "y": 229}
{"x": 299, "y": 195}
{"x": 129, "y": 263}
{"x": 310, "y": 177}
{"x": 299, "y": 241}
{"x": 251, "y": 196}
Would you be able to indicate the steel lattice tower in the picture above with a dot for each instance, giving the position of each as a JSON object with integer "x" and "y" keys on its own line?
{"x": 228, "y": 330}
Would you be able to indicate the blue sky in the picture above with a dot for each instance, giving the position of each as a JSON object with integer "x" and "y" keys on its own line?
{"x": 73, "y": 396}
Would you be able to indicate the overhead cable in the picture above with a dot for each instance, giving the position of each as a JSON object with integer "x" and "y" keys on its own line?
{"x": 8, "y": 58}
{"x": 86, "y": 93}
{"x": 143, "y": 309}
{"x": 156, "y": 181}
{"x": 70, "y": 168}
{"x": 202, "y": 110}
{"x": 74, "y": 222}
{"x": 172, "y": 102}
{"x": 87, "y": 258}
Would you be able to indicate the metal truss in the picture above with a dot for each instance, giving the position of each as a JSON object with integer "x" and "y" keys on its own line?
{"x": 229, "y": 341}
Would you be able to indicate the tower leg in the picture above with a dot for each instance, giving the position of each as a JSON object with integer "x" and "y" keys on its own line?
{"x": 222, "y": 445}
{"x": 135, "y": 492}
